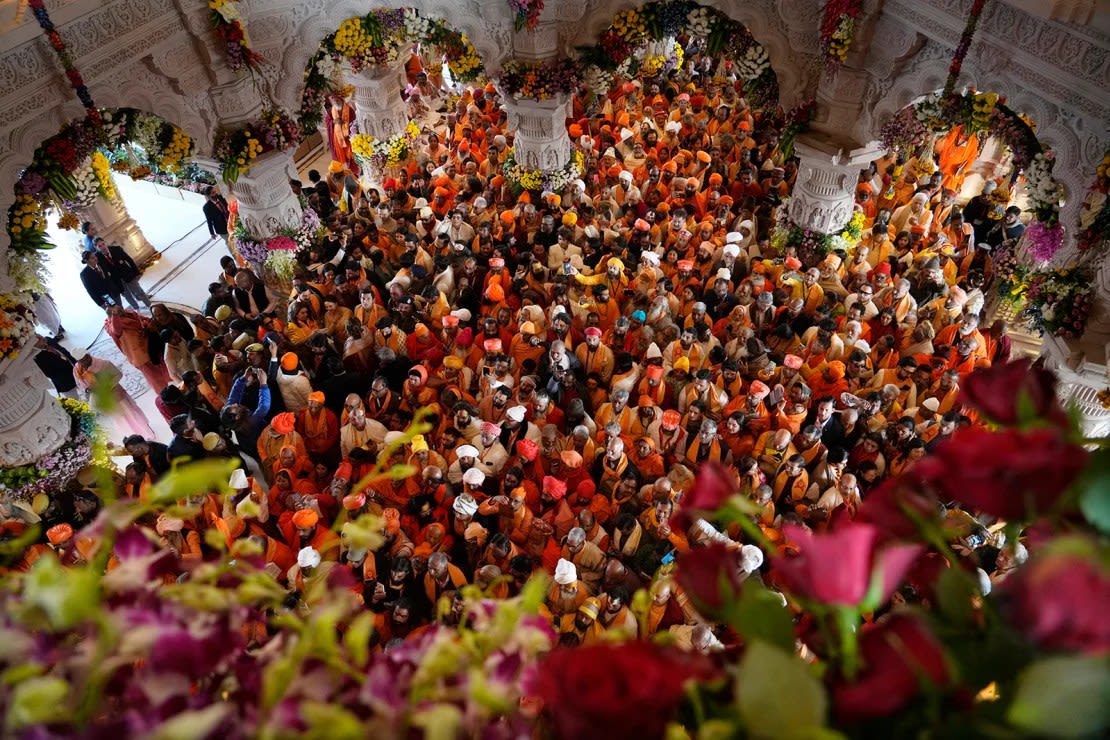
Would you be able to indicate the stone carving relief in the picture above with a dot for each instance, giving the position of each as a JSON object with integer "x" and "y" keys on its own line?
{"x": 32, "y": 422}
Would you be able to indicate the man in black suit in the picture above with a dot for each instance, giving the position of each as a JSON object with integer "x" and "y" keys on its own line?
{"x": 215, "y": 213}
{"x": 101, "y": 286}
{"x": 121, "y": 268}
{"x": 56, "y": 363}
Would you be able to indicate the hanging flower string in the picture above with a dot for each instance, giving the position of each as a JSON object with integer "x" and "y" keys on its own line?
{"x": 962, "y": 48}
{"x": 526, "y": 13}
{"x": 228, "y": 26}
{"x": 60, "y": 50}
{"x": 838, "y": 28}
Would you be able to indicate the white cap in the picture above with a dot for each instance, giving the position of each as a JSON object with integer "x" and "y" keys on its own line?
{"x": 733, "y": 237}
{"x": 239, "y": 479}
{"x": 724, "y": 274}
{"x": 466, "y": 451}
{"x": 480, "y": 202}
{"x": 565, "y": 572}
{"x": 625, "y": 175}
{"x": 474, "y": 477}
{"x": 462, "y": 314}
{"x": 420, "y": 203}
{"x": 650, "y": 258}
{"x": 863, "y": 346}
{"x": 751, "y": 557}
{"x": 932, "y": 404}
{"x": 308, "y": 557}
{"x": 465, "y": 505}
{"x": 516, "y": 413}
{"x": 426, "y": 212}
{"x": 652, "y": 351}
{"x": 731, "y": 250}
{"x": 609, "y": 152}
{"x": 626, "y": 134}
{"x": 673, "y": 127}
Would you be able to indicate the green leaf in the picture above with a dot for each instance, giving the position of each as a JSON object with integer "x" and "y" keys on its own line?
{"x": 1066, "y": 697}
{"x": 357, "y": 638}
{"x": 760, "y": 615}
{"x": 440, "y": 722}
{"x": 193, "y": 724}
{"x": 331, "y": 721}
{"x": 192, "y": 479}
{"x": 777, "y": 695}
{"x": 534, "y": 592}
{"x": 1094, "y": 497}
{"x": 37, "y": 701}
{"x": 65, "y": 595}
{"x": 955, "y": 590}
{"x": 276, "y": 678}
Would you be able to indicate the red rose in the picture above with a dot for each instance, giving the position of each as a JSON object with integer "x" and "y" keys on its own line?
{"x": 893, "y": 506}
{"x": 712, "y": 487}
{"x": 1059, "y": 600}
{"x": 836, "y": 567}
{"x": 900, "y": 656}
{"x": 1008, "y": 473}
{"x": 614, "y": 692}
{"x": 996, "y": 392}
{"x": 706, "y": 574}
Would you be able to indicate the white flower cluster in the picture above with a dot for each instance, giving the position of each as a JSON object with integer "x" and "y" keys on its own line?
{"x": 1041, "y": 186}
{"x": 753, "y": 63}
{"x": 147, "y": 129}
{"x": 86, "y": 185}
{"x": 560, "y": 179}
{"x": 699, "y": 22}
{"x": 597, "y": 80}
{"x": 19, "y": 323}
{"x": 417, "y": 27}
{"x": 329, "y": 67}
{"x": 282, "y": 263}
{"x": 113, "y": 129}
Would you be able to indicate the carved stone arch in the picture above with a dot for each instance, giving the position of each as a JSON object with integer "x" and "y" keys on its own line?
{"x": 759, "y": 16}
{"x": 315, "y": 19}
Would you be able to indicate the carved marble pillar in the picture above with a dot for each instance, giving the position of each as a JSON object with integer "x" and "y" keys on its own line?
{"x": 539, "y": 127}
{"x": 236, "y": 102}
{"x": 266, "y": 202}
{"x": 115, "y": 224}
{"x": 537, "y": 45}
{"x": 380, "y": 111}
{"x": 824, "y": 192}
{"x": 32, "y": 422}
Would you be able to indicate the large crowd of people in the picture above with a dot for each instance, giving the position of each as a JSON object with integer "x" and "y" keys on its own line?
{"x": 577, "y": 356}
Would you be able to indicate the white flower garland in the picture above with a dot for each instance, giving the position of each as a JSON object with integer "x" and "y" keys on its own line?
{"x": 86, "y": 185}
{"x": 754, "y": 63}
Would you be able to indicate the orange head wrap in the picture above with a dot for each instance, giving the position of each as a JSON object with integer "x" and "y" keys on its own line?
{"x": 305, "y": 519}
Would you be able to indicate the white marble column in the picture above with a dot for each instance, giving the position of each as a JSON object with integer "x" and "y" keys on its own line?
{"x": 115, "y": 224}
{"x": 32, "y": 422}
{"x": 266, "y": 202}
{"x": 539, "y": 128}
{"x": 380, "y": 111}
{"x": 538, "y": 44}
{"x": 824, "y": 192}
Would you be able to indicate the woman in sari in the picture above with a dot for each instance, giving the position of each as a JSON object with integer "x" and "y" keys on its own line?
{"x": 131, "y": 333}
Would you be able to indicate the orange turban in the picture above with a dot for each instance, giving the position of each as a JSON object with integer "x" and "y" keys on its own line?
{"x": 704, "y": 157}
{"x": 495, "y": 293}
{"x": 59, "y": 534}
{"x": 497, "y": 181}
{"x": 507, "y": 218}
{"x": 289, "y": 361}
{"x": 283, "y": 423}
{"x": 392, "y": 519}
{"x": 715, "y": 178}
{"x": 614, "y": 170}
{"x": 836, "y": 369}
{"x": 305, "y": 519}
{"x": 527, "y": 449}
{"x": 574, "y": 130}
{"x": 317, "y": 396}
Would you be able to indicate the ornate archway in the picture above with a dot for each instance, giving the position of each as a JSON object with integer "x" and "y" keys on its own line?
{"x": 71, "y": 170}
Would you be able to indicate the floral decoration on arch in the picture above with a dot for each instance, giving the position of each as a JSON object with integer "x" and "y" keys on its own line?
{"x": 229, "y": 28}
{"x": 838, "y": 29}
{"x": 988, "y": 114}
{"x": 1059, "y": 302}
{"x": 380, "y": 37}
{"x": 279, "y": 252}
{"x": 51, "y": 474}
{"x": 526, "y": 13}
{"x": 812, "y": 246}
{"x": 237, "y": 149}
{"x": 380, "y": 153}
{"x": 539, "y": 80}
{"x": 521, "y": 178}
{"x": 625, "y": 46}
{"x": 1094, "y": 214}
{"x": 70, "y": 170}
